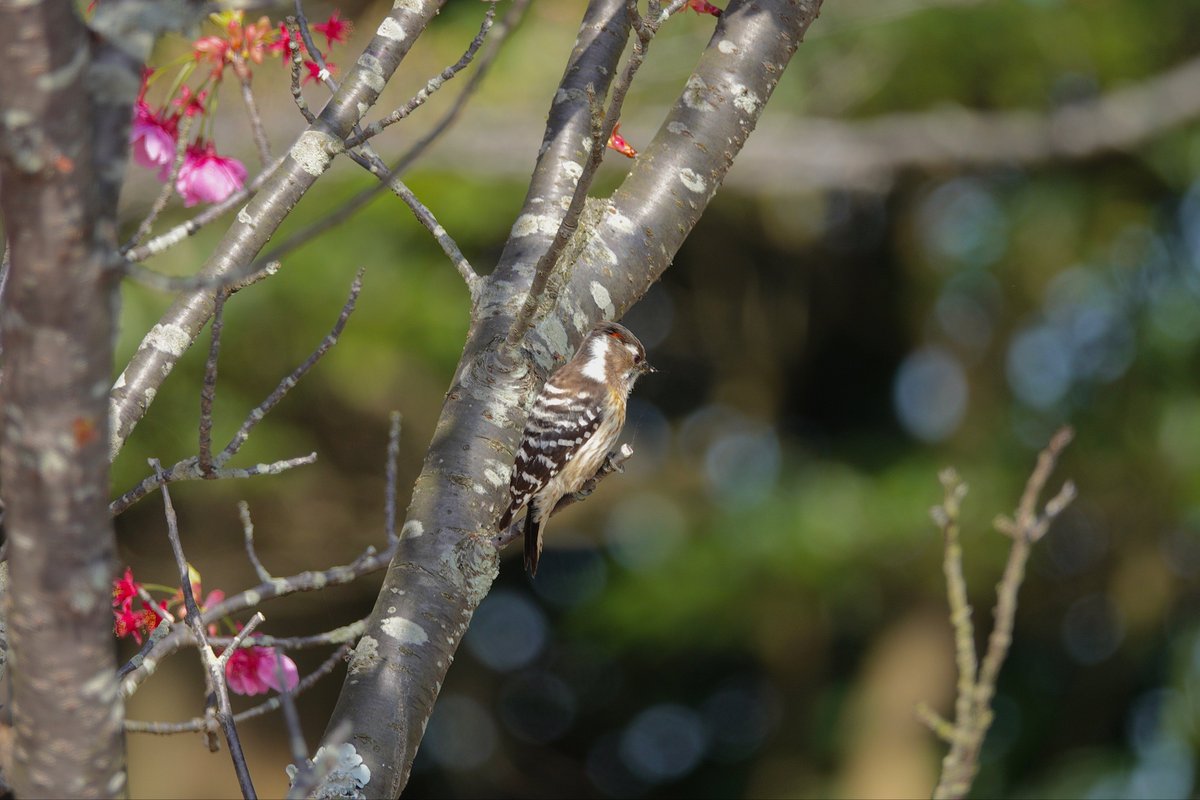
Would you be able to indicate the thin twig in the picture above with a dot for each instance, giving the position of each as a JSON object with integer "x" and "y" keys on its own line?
{"x": 192, "y": 469}
{"x": 389, "y": 496}
{"x": 232, "y": 282}
{"x": 973, "y": 704}
{"x": 346, "y": 633}
{"x": 946, "y": 516}
{"x": 291, "y": 380}
{"x": 293, "y": 28}
{"x": 368, "y": 159}
{"x": 208, "y": 389}
{"x": 291, "y": 719}
{"x": 372, "y": 163}
{"x": 256, "y": 124}
{"x": 157, "y": 635}
{"x": 323, "y": 72}
{"x": 241, "y": 639}
{"x": 432, "y": 85}
{"x": 189, "y": 470}
{"x": 214, "y": 667}
{"x": 248, "y": 535}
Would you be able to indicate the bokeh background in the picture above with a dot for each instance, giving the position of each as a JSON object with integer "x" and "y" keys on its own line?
{"x": 756, "y": 606}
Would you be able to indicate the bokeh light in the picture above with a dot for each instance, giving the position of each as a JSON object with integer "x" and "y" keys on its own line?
{"x": 930, "y": 394}
{"x": 664, "y": 743}
{"x": 461, "y": 734}
{"x": 508, "y": 631}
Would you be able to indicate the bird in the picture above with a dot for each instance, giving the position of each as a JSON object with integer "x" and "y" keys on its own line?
{"x": 576, "y": 418}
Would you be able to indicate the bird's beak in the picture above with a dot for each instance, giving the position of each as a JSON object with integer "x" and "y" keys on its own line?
{"x": 645, "y": 368}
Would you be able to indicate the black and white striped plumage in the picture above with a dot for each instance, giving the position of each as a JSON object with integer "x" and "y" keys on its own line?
{"x": 574, "y": 422}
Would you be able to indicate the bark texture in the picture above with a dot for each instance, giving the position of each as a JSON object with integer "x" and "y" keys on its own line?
{"x": 446, "y": 561}
{"x": 58, "y": 328}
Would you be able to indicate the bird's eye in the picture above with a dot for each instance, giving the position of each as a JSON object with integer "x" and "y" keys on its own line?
{"x": 638, "y": 358}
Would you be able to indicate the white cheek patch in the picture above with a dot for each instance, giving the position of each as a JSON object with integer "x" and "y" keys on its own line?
{"x": 595, "y": 368}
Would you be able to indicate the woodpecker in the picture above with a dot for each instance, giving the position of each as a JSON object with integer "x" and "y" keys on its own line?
{"x": 575, "y": 420}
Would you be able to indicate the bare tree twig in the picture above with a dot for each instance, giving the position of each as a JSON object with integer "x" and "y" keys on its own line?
{"x": 194, "y": 468}
{"x": 431, "y": 86}
{"x": 214, "y": 666}
{"x": 291, "y": 719}
{"x": 291, "y": 380}
{"x": 256, "y": 124}
{"x": 189, "y": 470}
{"x": 208, "y": 389}
{"x": 973, "y": 703}
{"x": 371, "y": 162}
{"x": 389, "y": 499}
{"x": 343, "y": 635}
{"x": 225, "y": 283}
{"x": 293, "y": 28}
{"x": 248, "y": 536}
{"x": 365, "y": 156}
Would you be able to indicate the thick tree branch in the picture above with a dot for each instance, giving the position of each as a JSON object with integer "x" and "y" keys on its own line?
{"x": 446, "y": 559}
{"x": 307, "y": 160}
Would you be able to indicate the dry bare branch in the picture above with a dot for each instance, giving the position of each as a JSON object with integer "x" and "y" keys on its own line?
{"x": 214, "y": 666}
{"x": 973, "y": 701}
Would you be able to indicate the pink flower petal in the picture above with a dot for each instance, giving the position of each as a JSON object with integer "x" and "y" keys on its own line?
{"x": 207, "y": 177}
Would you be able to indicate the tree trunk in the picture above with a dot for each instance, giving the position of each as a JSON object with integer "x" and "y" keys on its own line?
{"x": 58, "y": 332}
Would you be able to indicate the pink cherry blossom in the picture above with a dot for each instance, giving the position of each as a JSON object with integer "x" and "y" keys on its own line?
{"x": 251, "y": 670}
{"x": 153, "y": 139}
{"x": 207, "y": 177}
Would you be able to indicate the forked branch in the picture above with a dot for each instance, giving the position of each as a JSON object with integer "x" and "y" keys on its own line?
{"x": 973, "y": 704}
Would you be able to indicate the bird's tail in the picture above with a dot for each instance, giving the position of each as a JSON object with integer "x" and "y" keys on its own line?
{"x": 533, "y": 542}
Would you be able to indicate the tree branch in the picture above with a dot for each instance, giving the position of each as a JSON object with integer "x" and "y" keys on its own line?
{"x": 500, "y": 32}
{"x": 214, "y": 666}
{"x": 973, "y": 703}
{"x": 308, "y": 159}
{"x": 446, "y": 560}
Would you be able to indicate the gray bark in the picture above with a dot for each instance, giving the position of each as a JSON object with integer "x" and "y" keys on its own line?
{"x": 446, "y": 561}
{"x": 58, "y": 198}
